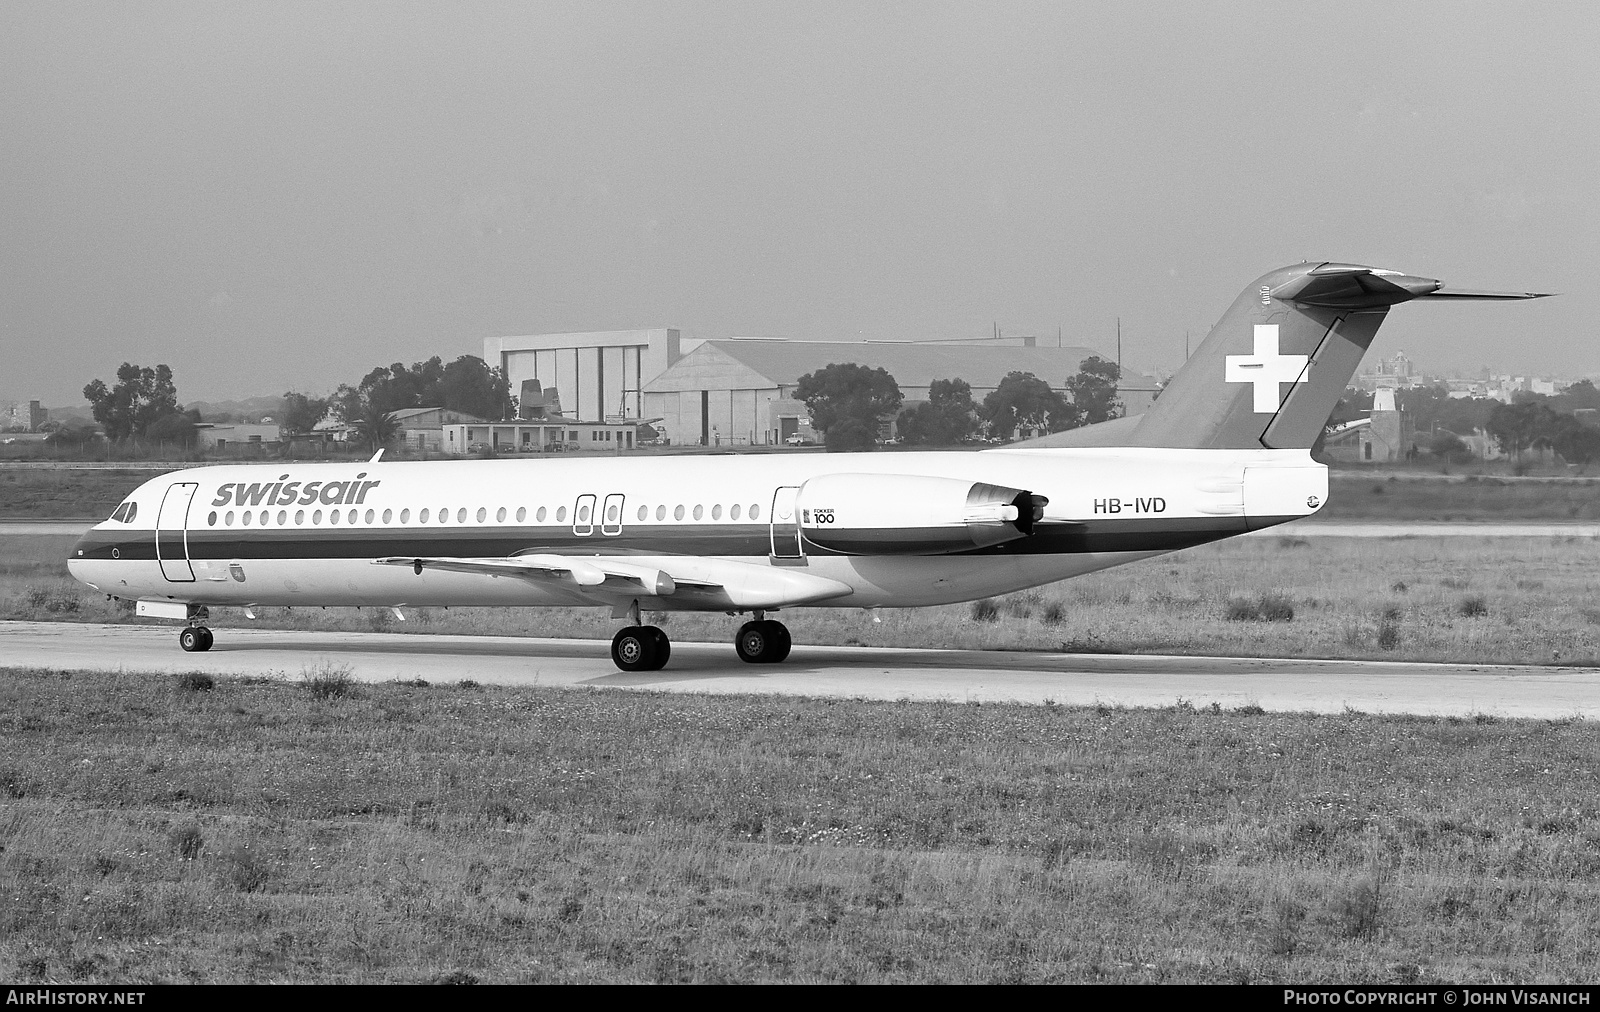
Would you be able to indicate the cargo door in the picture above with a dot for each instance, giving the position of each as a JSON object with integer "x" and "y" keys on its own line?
{"x": 172, "y": 535}
{"x": 785, "y": 524}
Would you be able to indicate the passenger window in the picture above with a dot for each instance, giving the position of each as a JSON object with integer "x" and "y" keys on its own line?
{"x": 244, "y": 518}
{"x": 716, "y": 512}
{"x": 483, "y": 514}
{"x": 211, "y": 521}
{"x": 387, "y": 515}
{"x": 733, "y": 512}
{"x": 561, "y": 515}
{"x": 370, "y": 516}
{"x": 522, "y": 513}
{"x": 299, "y": 516}
{"x": 283, "y": 518}
{"x": 444, "y": 514}
{"x": 540, "y": 515}
{"x": 500, "y": 515}
{"x": 316, "y": 517}
{"x": 351, "y": 517}
{"x": 661, "y": 512}
{"x": 677, "y": 513}
{"x": 333, "y": 516}
{"x": 699, "y": 511}
{"x": 755, "y": 511}
{"x": 644, "y": 511}
{"x": 263, "y": 518}
{"x": 461, "y": 515}
{"x": 422, "y": 517}
{"x": 405, "y": 516}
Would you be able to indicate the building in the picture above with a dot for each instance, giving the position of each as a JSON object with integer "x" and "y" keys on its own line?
{"x": 536, "y": 436}
{"x": 741, "y": 392}
{"x": 1384, "y": 436}
{"x": 1395, "y": 373}
{"x": 37, "y": 416}
{"x": 423, "y": 428}
{"x": 598, "y": 375}
{"x": 230, "y": 437}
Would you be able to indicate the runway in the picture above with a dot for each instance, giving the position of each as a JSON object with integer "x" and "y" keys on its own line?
{"x": 844, "y": 672}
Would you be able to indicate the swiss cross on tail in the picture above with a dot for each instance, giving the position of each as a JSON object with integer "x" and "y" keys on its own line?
{"x": 1265, "y": 369}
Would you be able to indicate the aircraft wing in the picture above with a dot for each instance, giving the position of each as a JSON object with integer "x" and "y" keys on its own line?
{"x": 695, "y": 582}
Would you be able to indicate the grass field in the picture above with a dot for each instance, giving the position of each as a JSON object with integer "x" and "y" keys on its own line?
{"x": 1353, "y": 495}
{"x": 1504, "y": 600}
{"x": 161, "y": 830}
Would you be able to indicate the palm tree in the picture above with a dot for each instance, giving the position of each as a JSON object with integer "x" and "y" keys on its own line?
{"x": 375, "y": 428}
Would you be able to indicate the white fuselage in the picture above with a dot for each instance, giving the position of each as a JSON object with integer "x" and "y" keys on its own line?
{"x": 308, "y": 534}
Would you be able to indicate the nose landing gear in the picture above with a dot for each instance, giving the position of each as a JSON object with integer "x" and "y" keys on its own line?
{"x": 195, "y": 639}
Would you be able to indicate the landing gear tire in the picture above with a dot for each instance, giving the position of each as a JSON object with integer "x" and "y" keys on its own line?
{"x": 663, "y": 646}
{"x": 762, "y": 642}
{"x": 640, "y": 648}
{"x": 195, "y": 639}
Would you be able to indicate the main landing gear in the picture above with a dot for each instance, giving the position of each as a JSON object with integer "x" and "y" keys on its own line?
{"x": 762, "y": 641}
{"x": 196, "y": 639}
{"x": 640, "y": 648}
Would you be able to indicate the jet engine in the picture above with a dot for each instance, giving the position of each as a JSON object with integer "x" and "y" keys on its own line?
{"x": 905, "y": 514}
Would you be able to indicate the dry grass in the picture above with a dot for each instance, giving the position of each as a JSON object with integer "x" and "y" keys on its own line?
{"x": 1531, "y": 600}
{"x": 257, "y": 832}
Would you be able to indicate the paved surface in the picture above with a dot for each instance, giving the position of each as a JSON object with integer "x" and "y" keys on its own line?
{"x": 852, "y": 672}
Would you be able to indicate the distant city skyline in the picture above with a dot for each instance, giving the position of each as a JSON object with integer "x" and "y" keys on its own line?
{"x": 278, "y": 197}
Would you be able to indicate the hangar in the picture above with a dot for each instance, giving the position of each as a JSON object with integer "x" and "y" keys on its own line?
{"x": 740, "y": 391}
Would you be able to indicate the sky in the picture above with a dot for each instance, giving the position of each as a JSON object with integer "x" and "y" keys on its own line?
{"x": 281, "y": 196}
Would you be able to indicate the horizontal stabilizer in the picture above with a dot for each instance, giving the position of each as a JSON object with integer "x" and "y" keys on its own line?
{"x": 1466, "y": 293}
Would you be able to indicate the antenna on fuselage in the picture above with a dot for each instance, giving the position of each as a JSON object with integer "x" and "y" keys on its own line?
{"x": 375, "y": 457}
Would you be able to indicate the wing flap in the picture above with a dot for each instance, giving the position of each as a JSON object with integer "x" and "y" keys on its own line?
{"x": 695, "y": 582}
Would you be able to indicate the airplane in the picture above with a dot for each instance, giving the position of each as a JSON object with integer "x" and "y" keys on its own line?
{"x": 1224, "y": 450}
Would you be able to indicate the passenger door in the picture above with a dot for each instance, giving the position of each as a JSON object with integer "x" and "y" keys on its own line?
{"x": 172, "y": 536}
{"x": 785, "y": 524}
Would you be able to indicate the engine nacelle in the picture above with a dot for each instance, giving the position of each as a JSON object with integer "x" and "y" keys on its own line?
{"x": 907, "y": 514}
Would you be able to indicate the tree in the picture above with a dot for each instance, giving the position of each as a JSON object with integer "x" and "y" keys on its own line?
{"x": 1576, "y": 442}
{"x": 471, "y": 386}
{"x": 1526, "y": 424}
{"x": 946, "y": 418}
{"x": 846, "y": 401}
{"x": 1094, "y": 390}
{"x": 1023, "y": 400}
{"x": 141, "y": 397}
{"x": 176, "y": 428}
{"x": 299, "y": 414}
{"x": 375, "y": 428}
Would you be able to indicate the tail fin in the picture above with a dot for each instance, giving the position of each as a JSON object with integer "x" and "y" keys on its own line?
{"x": 1272, "y": 369}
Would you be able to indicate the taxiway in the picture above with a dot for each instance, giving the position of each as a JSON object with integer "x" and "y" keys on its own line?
{"x": 849, "y": 672}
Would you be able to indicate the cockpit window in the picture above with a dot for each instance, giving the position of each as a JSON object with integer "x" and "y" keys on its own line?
{"x": 126, "y": 512}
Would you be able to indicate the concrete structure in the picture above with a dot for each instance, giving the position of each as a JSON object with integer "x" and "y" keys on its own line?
{"x": 37, "y": 415}
{"x": 598, "y": 375}
{"x": 232, "y": 437}
{"x": 1385, "y": 435}
{"x": 545, "y": 435}
{"x": 741, "y": 392}
{"x": 423, "y": 428}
